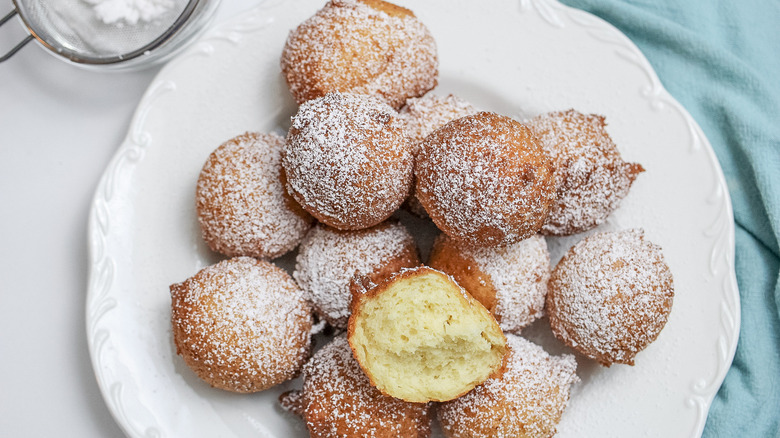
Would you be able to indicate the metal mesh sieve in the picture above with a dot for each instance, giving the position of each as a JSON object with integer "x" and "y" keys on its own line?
{"x": 74, "y": 30}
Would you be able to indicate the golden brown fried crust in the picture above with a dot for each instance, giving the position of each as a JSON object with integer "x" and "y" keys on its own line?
{"x": 447, "y": 257}
{"x": 337, "y": 400}
{"x": 242, "y": 205}
{"x": 526, "y": 401}
{"x": 610, "y": 296}
{"x": 408, "y": 258}
{"x": 424, "y": 115}
{"x": 329, "y": 259}
{"x": 241, "y": 325}
{"x": 347, "y": 161}
{"x": 485, "y": 180}
{"x": 289, "y": 201}
{"x": 591, "y": 176}
{"x": 510, "y": 281}
{"x": 368, "y": 47}
{"x": 388, "y": 8}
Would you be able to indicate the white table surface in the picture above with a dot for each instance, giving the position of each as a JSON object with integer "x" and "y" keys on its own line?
{"x": 59, "y": 127}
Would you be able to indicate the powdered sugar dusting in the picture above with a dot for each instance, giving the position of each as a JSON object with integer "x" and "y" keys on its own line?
{"x": 519, "y": 273}
{"x": 591, "y": 176}
{"x": 610, "y": 295}
{"x": 242, "y": 206}
{"x": 484, "y": 179}
{"x": 350, "y": 46}
{"x": 338, "y": 400}
{"x": 328, "y": 259}
{"x": 347, "y": 161}
{"x": 527, "y": 400}
{"x": 421, "y": 117}
{"x": 242, "y": 324}
{"x": 425, "y": 114}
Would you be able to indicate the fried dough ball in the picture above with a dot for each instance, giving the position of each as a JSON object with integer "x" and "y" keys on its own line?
{"x": 338, "y": 401}
{"x": 424, "y": 115}
{"x": 485, "y": 180}
{"x": 328, "y": 259}
{"x": 347, "y": 161}
{"x": 420, "y": 337}
{"x": 527, "y": 401}
{"x": 610, "y": 296}
{"x": 242, "y": 325}
{"x": 365, "y": 47}
{"x": 242, "y": 206}
{"x": 510, "y": 281}
{"x": 590, "y": 174}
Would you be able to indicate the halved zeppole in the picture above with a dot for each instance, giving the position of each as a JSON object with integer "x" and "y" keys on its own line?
{"x": 421, "y": 337}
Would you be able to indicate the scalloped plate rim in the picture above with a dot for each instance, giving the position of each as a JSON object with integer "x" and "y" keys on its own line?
{"x": 98, "y": 287}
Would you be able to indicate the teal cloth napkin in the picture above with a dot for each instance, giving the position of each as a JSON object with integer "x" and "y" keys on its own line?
{"x": 721, "y": 60}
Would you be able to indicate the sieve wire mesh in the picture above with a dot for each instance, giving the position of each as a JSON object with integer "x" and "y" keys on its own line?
{"x": 73, "y": 28}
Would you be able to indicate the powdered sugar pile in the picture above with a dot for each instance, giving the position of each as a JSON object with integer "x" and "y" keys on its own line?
{"x": 130, "y": 11}
{"x": 328, "y": 259}
{"x": 527, "y": 400}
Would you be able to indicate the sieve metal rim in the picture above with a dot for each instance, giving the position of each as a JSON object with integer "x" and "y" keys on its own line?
{"x": 79, "y": 58}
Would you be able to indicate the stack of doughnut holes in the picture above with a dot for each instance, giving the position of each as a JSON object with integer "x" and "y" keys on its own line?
{"x": 371, "y": 143}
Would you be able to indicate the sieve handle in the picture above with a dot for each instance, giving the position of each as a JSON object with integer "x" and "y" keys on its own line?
{"x": 18, "y": 46}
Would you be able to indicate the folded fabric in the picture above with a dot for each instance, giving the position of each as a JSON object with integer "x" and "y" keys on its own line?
{"x": 721, "y": 60}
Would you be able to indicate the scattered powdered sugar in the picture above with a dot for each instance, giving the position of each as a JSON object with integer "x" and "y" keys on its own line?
{"x": 591, "y": 176}
{"x": 527, "y": 400}
{"x": 610, "y": 295}
{"x": 337, "y": 399}
{"x": 242, "y": 206}
{"x": 519, "y": 273}
{"x": 130, "y": 11}
{"x": 242, "y": 323}
{"x": 352, "y": 47}
{"x": 347, "y": 161}
{"x": 484, "y": 179}
{"x": 328, "y": 259}
{"x": 426, "y": 114}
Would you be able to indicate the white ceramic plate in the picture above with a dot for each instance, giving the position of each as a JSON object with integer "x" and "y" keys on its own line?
{"x": 519, "y": 58}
